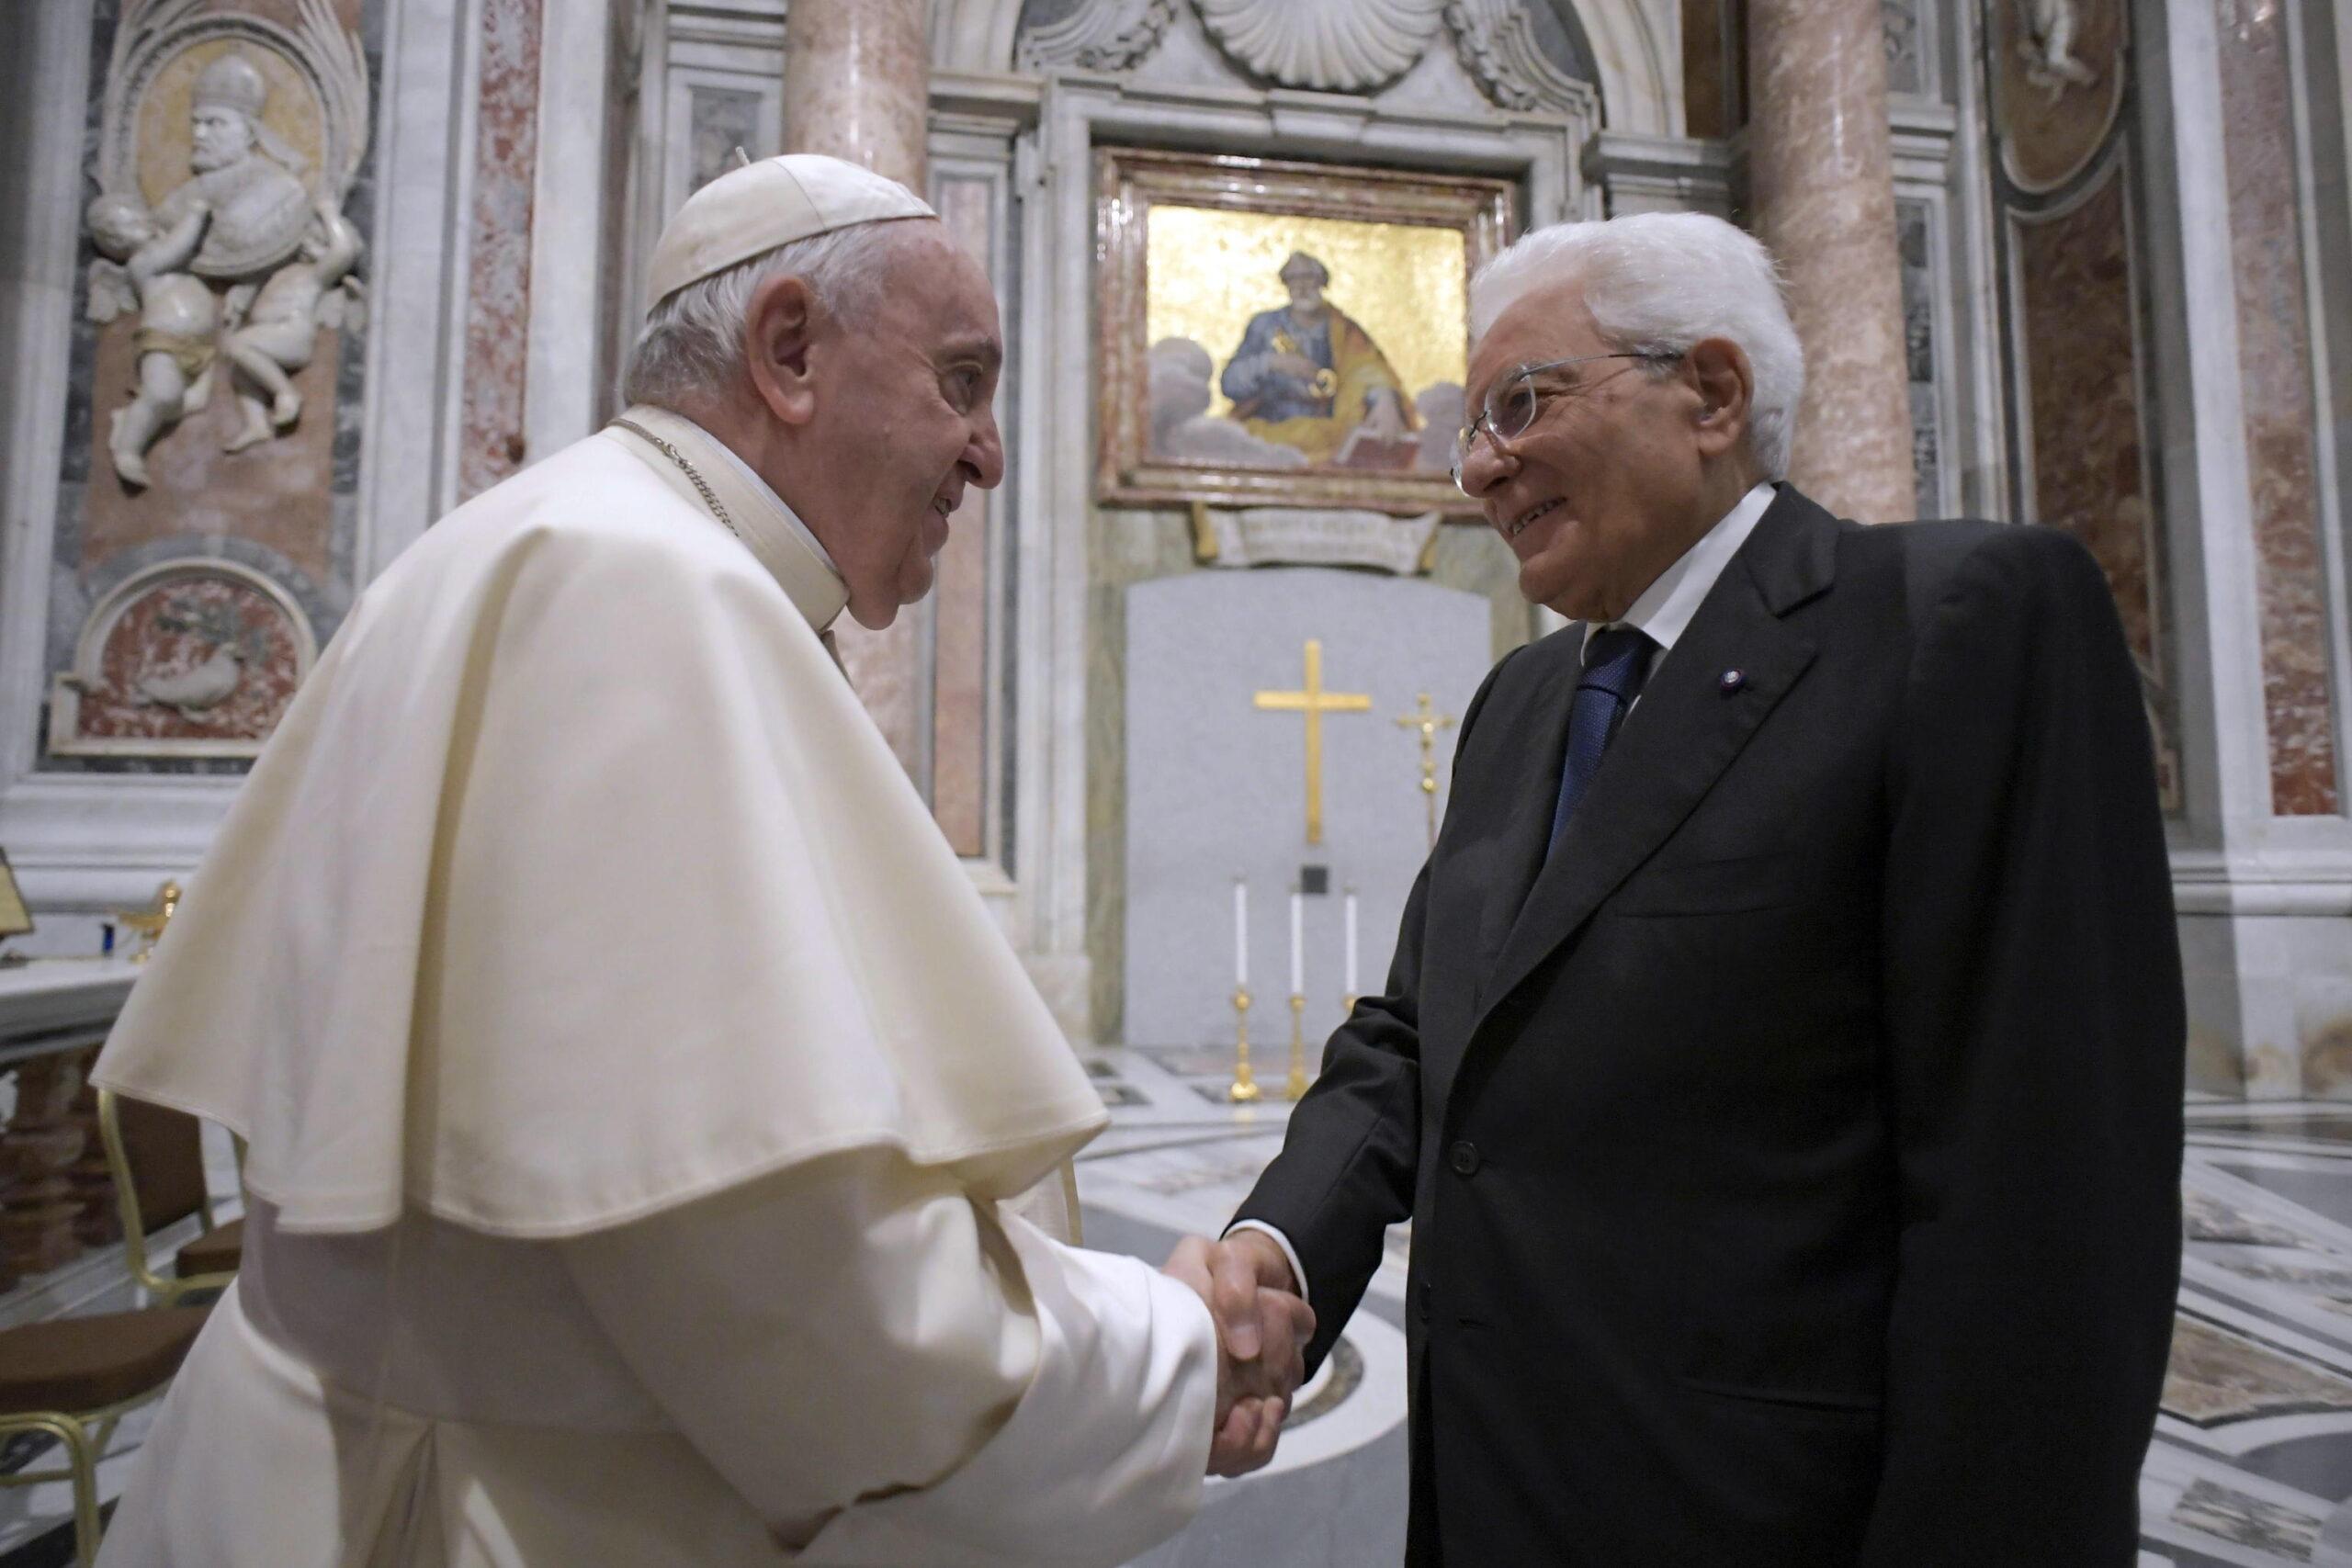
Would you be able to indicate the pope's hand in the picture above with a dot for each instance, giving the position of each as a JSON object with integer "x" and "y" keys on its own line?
{"x": 1261, "y": 1346}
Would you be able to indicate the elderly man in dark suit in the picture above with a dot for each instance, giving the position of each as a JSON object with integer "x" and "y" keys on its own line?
{"x": 1782, "y": 1061}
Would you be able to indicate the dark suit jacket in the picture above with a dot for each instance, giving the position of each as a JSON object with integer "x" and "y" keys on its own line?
{"x": 1794, "y": 1156}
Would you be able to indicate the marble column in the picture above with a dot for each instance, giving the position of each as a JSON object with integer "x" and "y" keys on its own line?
{"x": 1820, "y": 160}
{"x": 857, "y": 86}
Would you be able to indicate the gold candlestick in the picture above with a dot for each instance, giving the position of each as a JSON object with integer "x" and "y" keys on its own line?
{"x": 1244, "y": 1087}
{"x": 1429, "y": 721}
{"x": 1296, "y": 1086}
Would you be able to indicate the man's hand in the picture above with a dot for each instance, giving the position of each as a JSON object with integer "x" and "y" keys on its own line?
{"x": 1262, "y": 1342}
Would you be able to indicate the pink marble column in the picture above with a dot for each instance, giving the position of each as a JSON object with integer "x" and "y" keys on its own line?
{"x": 857, "y": 86}
{"x": 1820, "y": 160}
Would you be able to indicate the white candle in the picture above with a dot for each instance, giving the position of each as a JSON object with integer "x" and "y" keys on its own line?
{"x": 1352, "y": 943}
{"x": 1297, "y": 945}
{"x": 1240, "y": 934}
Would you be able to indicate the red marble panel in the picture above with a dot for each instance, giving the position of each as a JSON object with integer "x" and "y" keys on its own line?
{"x": 2275, "y": 371}
{"x": 2083, "y": 395}
{"x": 498, "y": 293}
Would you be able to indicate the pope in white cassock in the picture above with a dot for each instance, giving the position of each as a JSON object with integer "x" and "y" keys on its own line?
{"x": 641, "y": 1102}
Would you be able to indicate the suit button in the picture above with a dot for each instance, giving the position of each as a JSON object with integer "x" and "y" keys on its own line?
{"x": 1421, "y": 1300}
{"x": 1465, "y": 1158}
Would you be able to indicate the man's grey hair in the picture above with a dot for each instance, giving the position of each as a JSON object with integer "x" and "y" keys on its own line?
{"x": 692, "y": 343}
{"x": 1658, "y": 283}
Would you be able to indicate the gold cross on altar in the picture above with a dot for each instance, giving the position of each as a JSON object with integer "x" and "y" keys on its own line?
{"x": 1429, "y": 721}
{"x": 1314, "y": 702}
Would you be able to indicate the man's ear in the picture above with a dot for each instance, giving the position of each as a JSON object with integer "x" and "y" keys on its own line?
{"x": 777, "y": 327}
{"x": 1725, "y": 382}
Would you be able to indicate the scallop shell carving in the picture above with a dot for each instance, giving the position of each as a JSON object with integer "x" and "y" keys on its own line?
{"x": 1338, "y": 46}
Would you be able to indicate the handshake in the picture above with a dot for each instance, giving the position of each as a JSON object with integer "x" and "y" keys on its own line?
{"x": 1262, "y": 1327}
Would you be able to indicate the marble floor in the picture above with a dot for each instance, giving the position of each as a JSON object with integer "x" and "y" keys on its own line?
{"x": 2252, "y": 1463}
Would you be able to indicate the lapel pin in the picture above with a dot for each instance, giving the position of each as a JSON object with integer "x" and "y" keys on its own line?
{"x": 1732, "y": 680}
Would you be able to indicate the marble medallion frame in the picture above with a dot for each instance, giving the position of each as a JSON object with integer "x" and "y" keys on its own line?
{"x": 66, "y": 738}
{"x": 1129, "y": 183}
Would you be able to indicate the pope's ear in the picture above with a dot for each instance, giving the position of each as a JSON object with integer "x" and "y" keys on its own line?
{"x": 777, "y": 325}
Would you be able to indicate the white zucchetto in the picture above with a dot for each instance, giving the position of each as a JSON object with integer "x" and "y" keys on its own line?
{"x": 772, "y": 202}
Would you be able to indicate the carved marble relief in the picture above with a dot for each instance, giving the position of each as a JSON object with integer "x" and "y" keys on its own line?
{"x": 1501, "y": 47}
{"x": 226, "y": 239}
{"x": 207, "y": 510}
{"x": 1097, "y": 35}
{"x": 1911, "y": 66}
{"x": 200, "y": 658}
{"x": 1522, "y": 54}
{"x": 1331, "y": 46}
{"x": 2058, "y": 69}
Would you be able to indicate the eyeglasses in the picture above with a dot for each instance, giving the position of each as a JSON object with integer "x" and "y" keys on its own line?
{"x": 1512, "y": 404}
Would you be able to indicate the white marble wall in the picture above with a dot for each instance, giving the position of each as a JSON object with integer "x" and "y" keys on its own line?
{"x": 1216, "y": 787}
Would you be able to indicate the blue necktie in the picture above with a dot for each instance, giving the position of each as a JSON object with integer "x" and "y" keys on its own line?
{"x": 1615, "y": 661}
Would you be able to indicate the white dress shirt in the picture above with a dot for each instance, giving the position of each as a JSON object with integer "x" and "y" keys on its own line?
{"x": 1662, "y": 613}
{"x": 1664, "y": 610}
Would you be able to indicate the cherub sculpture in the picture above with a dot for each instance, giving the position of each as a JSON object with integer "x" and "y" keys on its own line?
{"x": 2048, "y": 26}
{"x": 279, "y": 329}
{"x": 178, "y": 318}
{"x": 249, "y": 255}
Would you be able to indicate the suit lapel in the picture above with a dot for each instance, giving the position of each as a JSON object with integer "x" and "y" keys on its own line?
{"x": 1541, "y": 733}
{"x": 1678, "y": 740}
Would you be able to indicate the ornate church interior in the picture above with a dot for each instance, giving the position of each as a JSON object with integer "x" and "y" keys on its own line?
{"x": 283, "y": 283}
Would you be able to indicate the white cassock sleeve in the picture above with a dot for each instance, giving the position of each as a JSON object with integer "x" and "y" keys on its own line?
{"x": 892, "y": 1373}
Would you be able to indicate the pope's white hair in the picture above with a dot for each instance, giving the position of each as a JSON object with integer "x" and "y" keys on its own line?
{"x": 692, "y": 343}
{"x": 1658, "y": 283}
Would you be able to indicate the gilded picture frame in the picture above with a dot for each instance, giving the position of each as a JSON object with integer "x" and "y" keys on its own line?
{"x": 1285, "y": 334}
